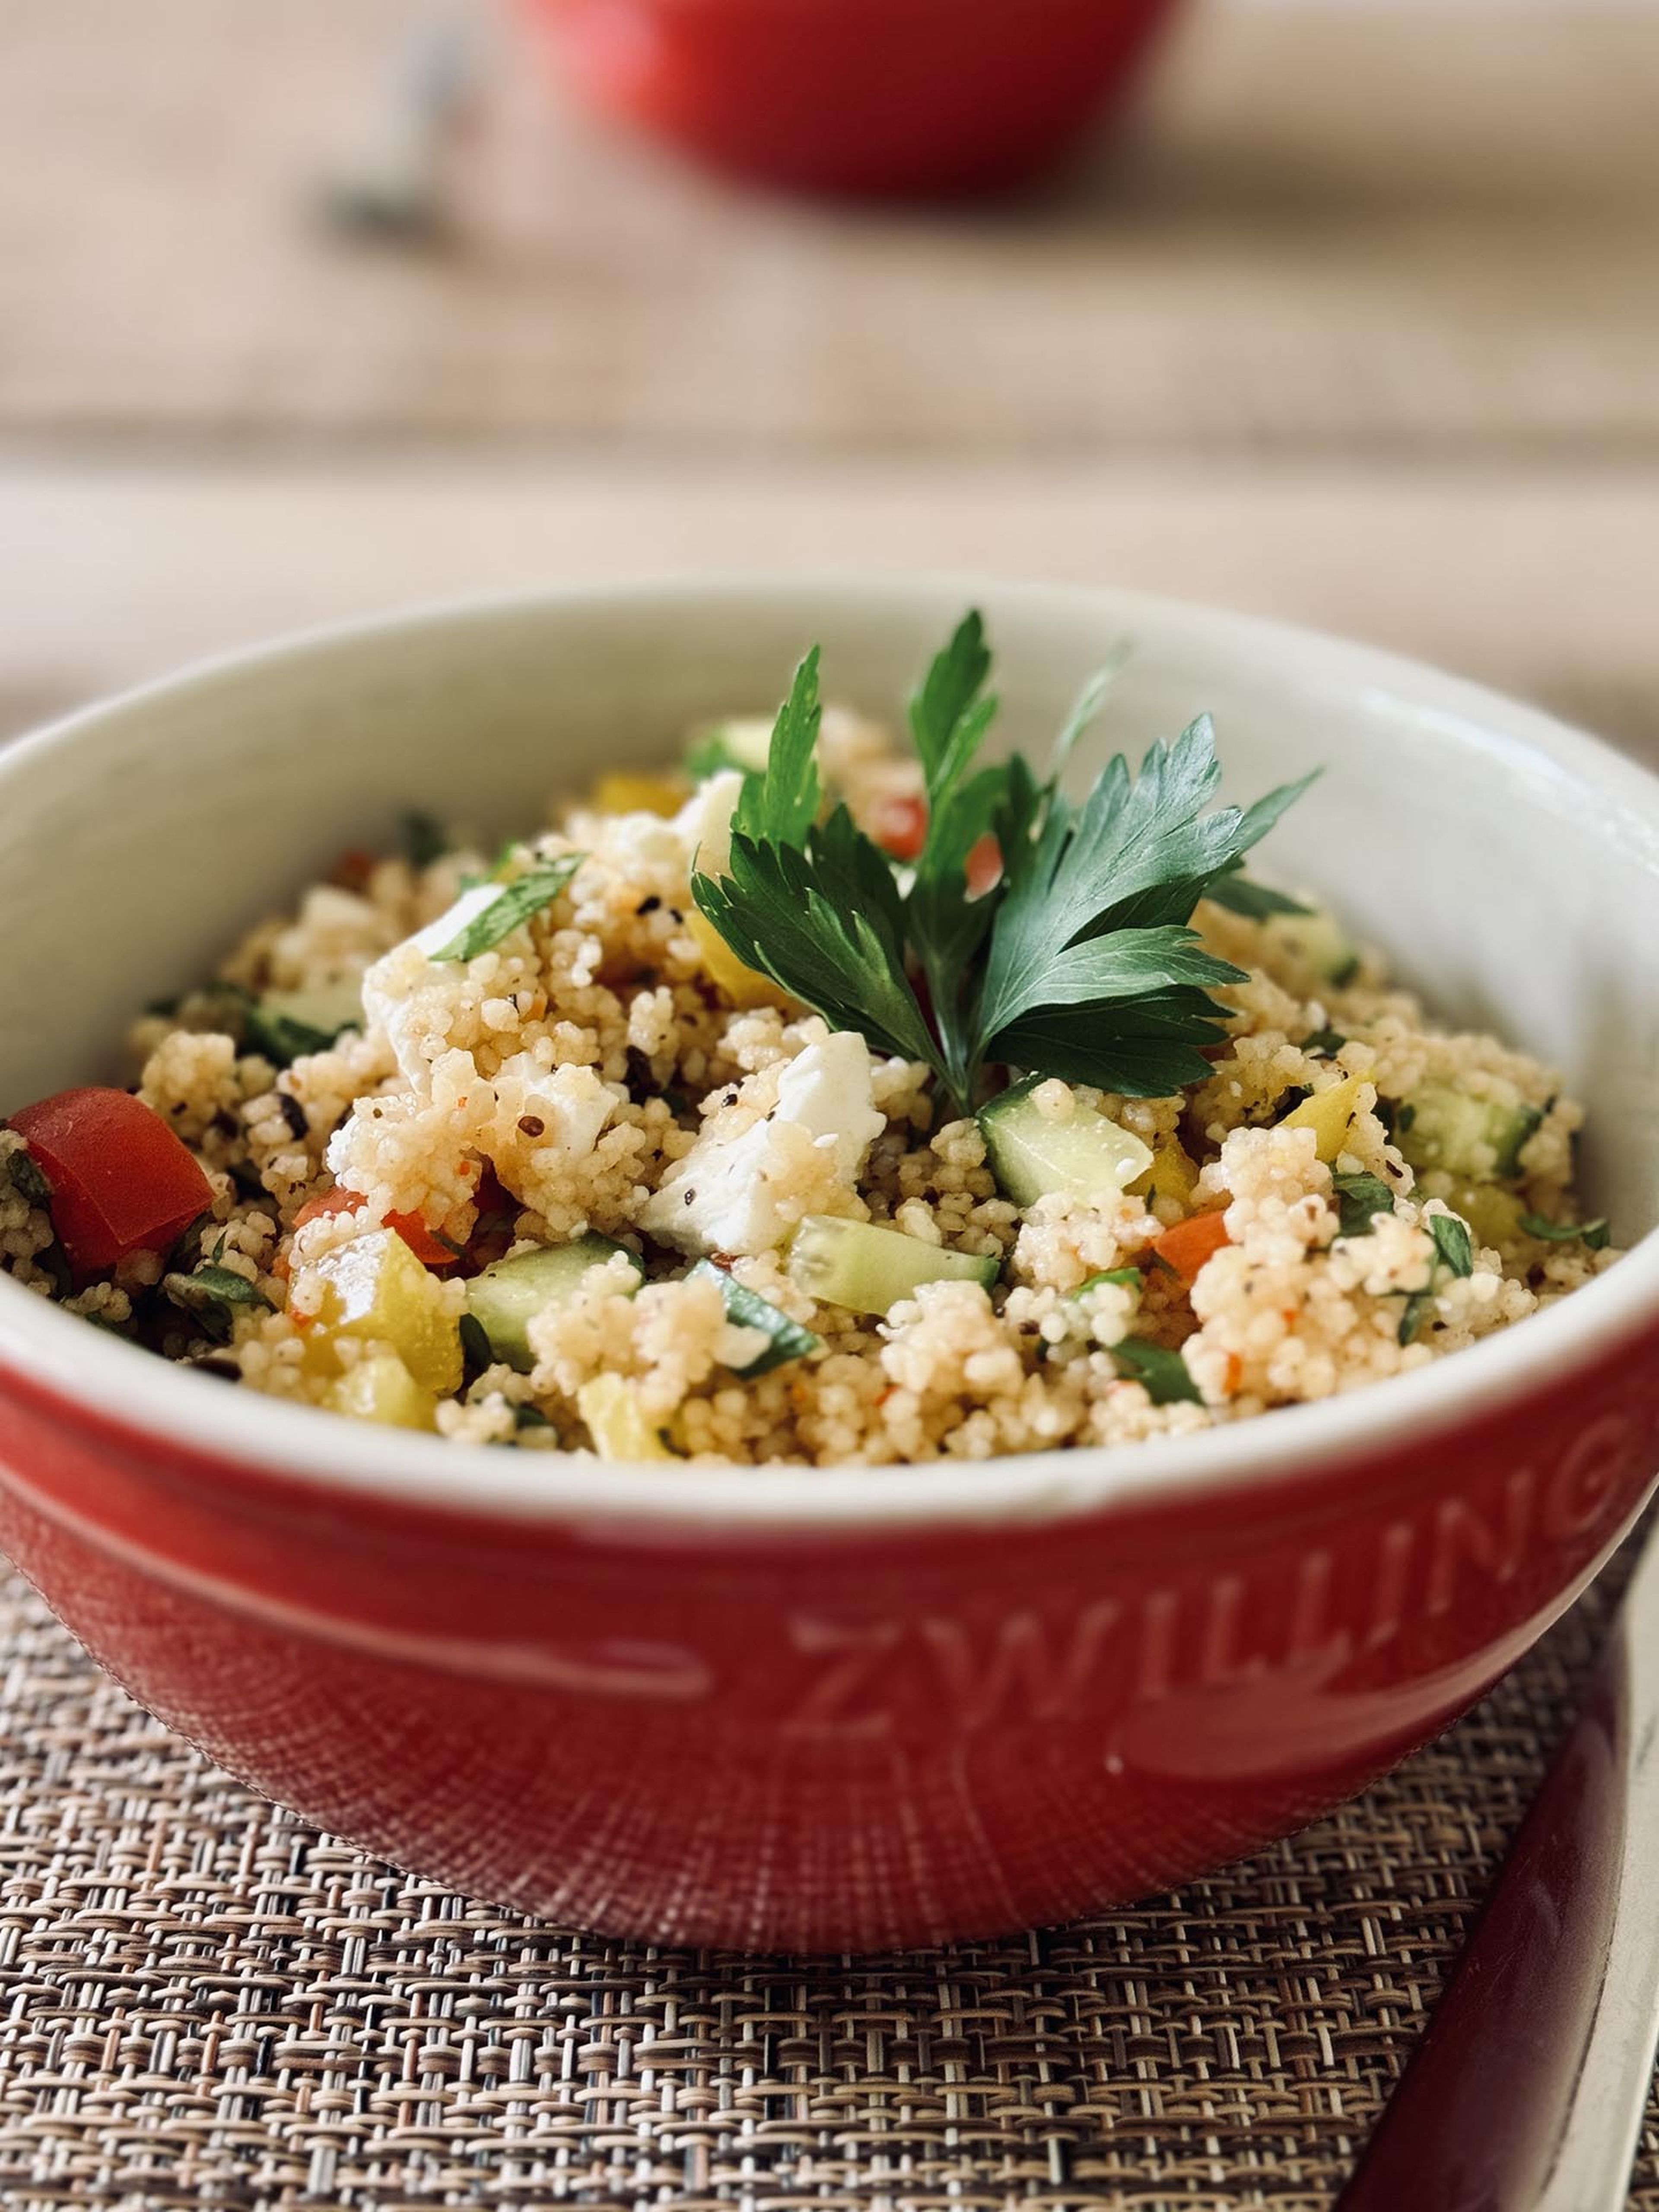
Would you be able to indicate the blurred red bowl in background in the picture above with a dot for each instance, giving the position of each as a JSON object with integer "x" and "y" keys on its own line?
{"x": 858, "y": 96}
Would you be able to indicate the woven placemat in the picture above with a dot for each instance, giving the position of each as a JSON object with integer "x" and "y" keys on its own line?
{"x": 203, "y": 2003}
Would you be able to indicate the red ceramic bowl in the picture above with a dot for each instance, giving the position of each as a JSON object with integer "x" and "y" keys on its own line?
{"x": 843, "y": 1708}
{"x": 863, "y": 96}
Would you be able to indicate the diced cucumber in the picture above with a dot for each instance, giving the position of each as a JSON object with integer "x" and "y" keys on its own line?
{"x": 504, "y": 1299}
{"x": 786, "y": 1339}
{"x": 1318, "y": 942}
{"x": 286, "y": 1025}
{"x": 1086, "y": 1156}
{"x": 1439, "y": 1128}
{"x": 869, "y": 1269}
{"x": 619, "y": 1429}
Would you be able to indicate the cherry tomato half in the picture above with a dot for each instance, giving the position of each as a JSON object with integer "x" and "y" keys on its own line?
{"x": 121, "y": 1180}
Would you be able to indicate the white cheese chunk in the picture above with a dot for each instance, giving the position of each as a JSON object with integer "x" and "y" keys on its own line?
{"x": 733, "y": 1195}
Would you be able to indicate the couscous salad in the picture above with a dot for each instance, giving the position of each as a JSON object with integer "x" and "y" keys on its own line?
{"x": 823, "y": 1100}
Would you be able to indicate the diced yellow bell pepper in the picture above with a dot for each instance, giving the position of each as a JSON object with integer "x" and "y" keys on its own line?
{"x": 375, "y": 1287}
{"x": 625, "y": 793}
{"x": 1173, "y": 1173}
{"x": 381, "y": 1389}
{"x": 615, "y": 1422}
{"x": 743, "y": 985}
{"x": 1328, "y": 1114}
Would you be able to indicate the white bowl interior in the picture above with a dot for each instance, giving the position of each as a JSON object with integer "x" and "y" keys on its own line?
{"x": 1510, "y": 867}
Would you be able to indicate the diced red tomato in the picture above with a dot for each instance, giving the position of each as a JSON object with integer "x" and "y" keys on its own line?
{"x": 431, "y": 1251}
{"x": 121, "y": 1180}
{"x": 901, "y": 826}
{"x": 1187, "y": 1246}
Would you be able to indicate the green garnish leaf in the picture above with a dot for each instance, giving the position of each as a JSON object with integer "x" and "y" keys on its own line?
{"x": 529, "y": 1417}
{"x": 282, "y": 1040}
{"x": 212, "y": 1297}
{"x": 1360, "y": 1199}
{"x": 1163, "y": 1375}
{"x": 1452, "y": 1241}
{"x": 1079, "y": 960}
{"x": 1125, "y": 1279}
{"x": 781, "y": 805}
{"x": 1241, "y": 894}
{"x": 476, "y": 1350}
{"x": 424, "y": 840}
{"x": 1326, "y": 1043}
{"x": 1527, "y": 1123}
{"x": 1593, "y": 1234}
{"x": 787, "y": 1339}
{"x": 1344, "y": 974}
{"x": 1411, "y": 1319}
{"x": 515, "y": 903}
{"x": 27, "y": 1178}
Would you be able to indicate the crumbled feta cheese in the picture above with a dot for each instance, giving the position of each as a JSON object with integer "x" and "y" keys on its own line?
{"x": 733, "y": 1195}
{"x": 406, "y": 993}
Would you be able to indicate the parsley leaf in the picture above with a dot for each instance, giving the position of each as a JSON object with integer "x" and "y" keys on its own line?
{"x": 1594, "y": 1234}
{"x": 1240, "y": 894}
{"x": 1164, "y": 1375}
{"x": 1079, "y": 960}
{"x": 26, "y": 1177}
{"x": 424, "y": 840}
{"x": 211, "y": 1296}
{"x": 1452, "y": 1241}
{"x": 1411, "y": 1319}
{"x": 1326, "y": 1043}
{"x": 1360, "y": 1199}
{"x": 781, "y": 805}
{"x": 515, "y": 903}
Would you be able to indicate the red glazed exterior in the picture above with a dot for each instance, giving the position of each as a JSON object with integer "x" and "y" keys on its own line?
{"x": 858, "y": 96}
{"x": 809, "y": 1739}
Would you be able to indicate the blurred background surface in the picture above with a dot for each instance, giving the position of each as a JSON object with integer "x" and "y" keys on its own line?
{"x": 1355, "y": 321}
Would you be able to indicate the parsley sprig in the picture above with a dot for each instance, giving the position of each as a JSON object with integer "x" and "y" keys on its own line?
{"x": 1081, "y": 960}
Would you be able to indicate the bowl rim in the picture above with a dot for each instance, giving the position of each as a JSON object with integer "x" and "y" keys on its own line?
{"x": 95, "y": 1379}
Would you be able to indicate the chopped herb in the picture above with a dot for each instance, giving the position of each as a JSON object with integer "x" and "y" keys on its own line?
{"x": 424, "y": 838}
{"x": 1528, "y": 1122}
{"x": 211, "y": 1296}
{"x": 1079, "y": 960}
{"x": 1451, "y": 1241}
{"x": 1164, "y": 1376}
{"x": 529, "y": 1417}
{"x": 1342, "y": 977}
{"x": 1241, "y": 894}
{"x": 1360, "y": 1199}
{"x": 1125, "y": 1279}
{"x": 1592, "y": 1234}
{"x": 163, "y": 1007}
{"x": 1411, "y": 1319}
{"x": 1326, "y": 1043}
{"x": 786, "y": 1339}
{"x": 476, "y": 1352}
{"x": 246, "y": 1178}
{"x": 516, "y": 904}
{"x": 1404, "y": 1114}
{"x": 27, "y": 1179}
